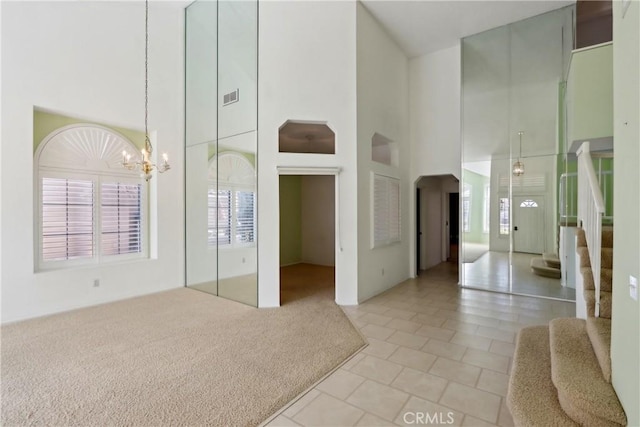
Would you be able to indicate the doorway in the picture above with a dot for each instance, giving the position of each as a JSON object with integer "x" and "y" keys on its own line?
{"x": 307, "y": 237}
{"x": 436, "y": 220}
{"x": 454, "y": 226}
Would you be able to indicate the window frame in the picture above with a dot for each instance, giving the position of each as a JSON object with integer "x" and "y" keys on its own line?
{"x": 98, "y": 177}
{"x": 390, "y": 237}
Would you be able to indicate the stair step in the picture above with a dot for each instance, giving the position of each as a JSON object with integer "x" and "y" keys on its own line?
{"x": 607, "y": 237}
{"x": 605, "y": 303}
{"x": 583, "y": 392}
{"x": 539, "y": 267}
{"x": 606, "y": 279}
{"x": 532, "y": 397}
{"x": 599, "y": 331}
{"x": 551, "y": 260}
{"x": 606, "y": 257}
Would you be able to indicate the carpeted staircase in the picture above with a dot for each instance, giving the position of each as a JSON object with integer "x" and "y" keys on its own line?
{"x": 561, "y": 373}
{"x": 548, "y": 265}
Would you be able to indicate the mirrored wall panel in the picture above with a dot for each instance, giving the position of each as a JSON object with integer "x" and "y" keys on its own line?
{"x": 221, "y": 149}
{"x": 514, "y": 156}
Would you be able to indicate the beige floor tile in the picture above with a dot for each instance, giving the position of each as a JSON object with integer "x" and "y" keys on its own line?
{"x": 485, "y": 359}
{"x": 353, "y": 361}
{"x": 481, "y": 320}
{"x": 400, "y": 314}
{"x": 436, "y": 332}
{"x": 424, "y": 309}
{"x": 471, "y": 401}
{"x": 378, "y": 332}
{"x": 372, "y": 308}
{"x": 375, "y": 319}
{"x": 325, "y": 410}
{"x": 457, "y": 325}
{"x": 340, "y": 384}
{"x": 404, "y": 325}
{"x": 412, "y": 358}
{"x": 503, "y": 348}
{"x": 420, "y": 384}
{"x": 473, "y": 341}
{"x": 282, "y": 421}
{"x": 496, "y": 334}
{"x": 370, "y": 420}
{"x": 378, "y": 399}
{"x": 444, "y": 349}
{"x": 300, "y": 403}
{"x": 377, "y": 369}
{"x": 429, "y": 319}
{"x": 378, "y": 348}
{"x": 504, "y": 417}
{"x": 455, "y": 371}
{"x": 423, "y": 412}
{"x": 407, "y": 340}
{"x": 493, "y": 382}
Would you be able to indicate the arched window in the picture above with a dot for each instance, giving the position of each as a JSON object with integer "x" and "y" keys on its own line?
{"x": 89, "y": 208}
{"x": 231, "y": 201}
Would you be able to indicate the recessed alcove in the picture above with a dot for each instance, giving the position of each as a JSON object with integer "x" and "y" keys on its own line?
{"x": 306, "y": 137}
{"x": 384, "y": 150}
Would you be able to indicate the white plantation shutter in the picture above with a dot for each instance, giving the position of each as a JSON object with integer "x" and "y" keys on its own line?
{"x": 121, "y": 218}
{"x": 224, "y": 217}
{"x": 386, "y": 210}
{"x": 67, "y": 219}
{"x": 244, "y": 210}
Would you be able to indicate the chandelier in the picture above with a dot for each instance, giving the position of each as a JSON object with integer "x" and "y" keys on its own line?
{"x": 145, "y": 165}
{"x": 518, "y": 166}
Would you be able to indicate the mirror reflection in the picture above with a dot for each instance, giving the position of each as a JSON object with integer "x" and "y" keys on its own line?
{"x": 513, "y": 156}
{"x": 221, "y": 135}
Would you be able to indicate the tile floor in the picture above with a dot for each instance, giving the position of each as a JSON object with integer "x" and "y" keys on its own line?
{"x": 437, "y": 354}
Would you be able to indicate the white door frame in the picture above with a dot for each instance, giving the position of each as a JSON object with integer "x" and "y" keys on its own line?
{"x": 320, "y": 170}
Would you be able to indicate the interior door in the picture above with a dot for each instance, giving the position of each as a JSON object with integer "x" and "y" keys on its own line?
{"x": 528, "y": 224}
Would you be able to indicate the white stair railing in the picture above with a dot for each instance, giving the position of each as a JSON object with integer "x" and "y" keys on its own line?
{"x": 591, "y": 208}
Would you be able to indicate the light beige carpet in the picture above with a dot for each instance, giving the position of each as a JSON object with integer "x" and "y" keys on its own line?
{"x": 181, "y": 357}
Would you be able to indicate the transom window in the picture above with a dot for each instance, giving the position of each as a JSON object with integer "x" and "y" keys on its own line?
{"x": 90, "y": 209}
{"x": 529, "y": 204}
{"x": 231, "y": 201}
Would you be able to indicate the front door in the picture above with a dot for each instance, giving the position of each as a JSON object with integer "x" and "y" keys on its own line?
{"x": 528, "y": 224}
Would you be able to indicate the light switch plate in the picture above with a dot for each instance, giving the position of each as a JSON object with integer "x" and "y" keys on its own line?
{"x": 633, "y": 287}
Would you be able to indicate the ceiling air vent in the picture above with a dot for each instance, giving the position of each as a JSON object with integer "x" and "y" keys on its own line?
{"x": 231, "y": 97}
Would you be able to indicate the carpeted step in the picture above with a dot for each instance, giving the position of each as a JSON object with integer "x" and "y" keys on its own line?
{"x": 583, "y": 392}
{"x": 606, "y": 257}
{"x": 539, "y": 267}
{"x": 599, "y": 331}
{"x": 551, "y": 260}
{"x": 605, "y": 303}
{"x": 532, "y": 397}
{"x": 607, "y": 237}
{"x": 606, "y": 279}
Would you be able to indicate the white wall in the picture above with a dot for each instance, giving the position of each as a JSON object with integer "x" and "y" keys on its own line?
{"x": 85, "y": 59}
{"x": 625, "y": 322}
{"x": 318, "y": 219}
{"x": 318, "y": 41}
{"x": 383, "y": 107}
{"x": 434, "y": 100}
{"x": 435, "y": 113}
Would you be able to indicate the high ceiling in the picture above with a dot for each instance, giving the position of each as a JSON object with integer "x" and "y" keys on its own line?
{"x": 421, "y": 27}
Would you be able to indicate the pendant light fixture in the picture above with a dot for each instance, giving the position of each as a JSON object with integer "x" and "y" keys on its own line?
{"x": 145, "y": 165}
{"x": 518, "y": 166}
